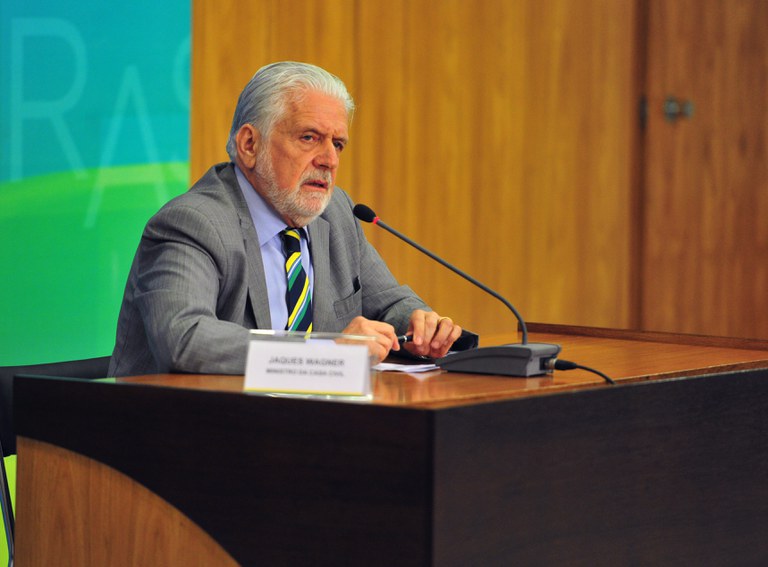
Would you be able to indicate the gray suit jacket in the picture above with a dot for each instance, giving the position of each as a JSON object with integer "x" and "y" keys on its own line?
{"x": 197, "y": 282}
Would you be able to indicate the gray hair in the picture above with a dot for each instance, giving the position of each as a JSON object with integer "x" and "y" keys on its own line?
{"x": 263, "y": 100}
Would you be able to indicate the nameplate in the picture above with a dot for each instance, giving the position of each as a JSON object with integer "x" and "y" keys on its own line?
{"x": 311, "y": 367}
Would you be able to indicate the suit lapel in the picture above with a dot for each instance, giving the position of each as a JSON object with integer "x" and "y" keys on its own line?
{"x": 319, "y": 247}
{"x": 257, "y": 282}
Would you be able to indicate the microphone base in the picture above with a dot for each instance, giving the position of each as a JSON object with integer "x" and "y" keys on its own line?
{"x": 521, "y": 360}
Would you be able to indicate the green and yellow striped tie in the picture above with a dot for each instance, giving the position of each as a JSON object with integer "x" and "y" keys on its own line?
{"x": 298, "y": 296}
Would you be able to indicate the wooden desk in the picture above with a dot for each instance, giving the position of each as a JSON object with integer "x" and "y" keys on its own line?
{"x": 667, "y": 467}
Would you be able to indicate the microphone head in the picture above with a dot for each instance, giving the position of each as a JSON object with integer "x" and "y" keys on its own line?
{"x": 364, "y": 213}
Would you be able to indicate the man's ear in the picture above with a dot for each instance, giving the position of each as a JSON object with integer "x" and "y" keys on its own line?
{"x": 248, "y": 141}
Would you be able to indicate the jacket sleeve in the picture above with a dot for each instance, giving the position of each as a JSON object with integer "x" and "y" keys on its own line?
{"x": 180, "y": 271}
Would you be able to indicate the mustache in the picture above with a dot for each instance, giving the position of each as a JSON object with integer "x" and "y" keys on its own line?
{"x": 317, "y": 175}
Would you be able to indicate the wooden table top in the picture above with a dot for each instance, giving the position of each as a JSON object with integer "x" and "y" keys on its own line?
{"x": 625, "y": 356}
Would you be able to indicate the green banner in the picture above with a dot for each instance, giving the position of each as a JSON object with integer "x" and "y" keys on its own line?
{"x": 94, "y": 137}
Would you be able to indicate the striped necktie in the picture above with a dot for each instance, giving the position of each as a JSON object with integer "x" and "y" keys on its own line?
{"x": 298, "y": 297}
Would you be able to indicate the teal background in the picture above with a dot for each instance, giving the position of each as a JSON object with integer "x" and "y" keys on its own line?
{"x": 94, "y": 137}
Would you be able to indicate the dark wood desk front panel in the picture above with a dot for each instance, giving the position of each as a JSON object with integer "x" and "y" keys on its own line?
{"x": 443, "y": 469}
{"x": 672, "y": 472}
{"x": 274, "y": 481}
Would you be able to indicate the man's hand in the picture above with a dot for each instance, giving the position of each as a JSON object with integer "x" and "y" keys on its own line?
{"x": 432, "y": 335}
{"x": 384, "y": 333}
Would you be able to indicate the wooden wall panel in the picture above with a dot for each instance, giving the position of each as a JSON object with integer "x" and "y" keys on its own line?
{"x": 498, "y": 134}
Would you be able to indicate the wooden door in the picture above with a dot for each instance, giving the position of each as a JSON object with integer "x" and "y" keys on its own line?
{"x": 704, "y": 258}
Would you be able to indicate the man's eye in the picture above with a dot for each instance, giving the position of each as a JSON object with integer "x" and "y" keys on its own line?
{"x": 339, "y": 145}
{"x": 307, "y": 137}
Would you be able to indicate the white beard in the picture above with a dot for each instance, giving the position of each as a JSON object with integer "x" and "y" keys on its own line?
{"x": 291, "y": 202}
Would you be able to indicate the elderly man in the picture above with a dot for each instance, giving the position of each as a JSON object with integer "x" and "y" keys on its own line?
{"x": 266, "y": 241}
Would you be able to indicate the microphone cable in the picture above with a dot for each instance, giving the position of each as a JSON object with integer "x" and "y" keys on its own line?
{"x": 560, "y": 364}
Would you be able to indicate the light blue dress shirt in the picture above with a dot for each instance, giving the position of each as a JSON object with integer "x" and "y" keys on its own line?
{"x": 269, "y": 225}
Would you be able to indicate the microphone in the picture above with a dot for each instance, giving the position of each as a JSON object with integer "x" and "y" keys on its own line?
{"x": 524, "y": 359}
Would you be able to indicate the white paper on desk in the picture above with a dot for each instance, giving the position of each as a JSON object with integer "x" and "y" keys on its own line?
{"x": 410, "y": 368}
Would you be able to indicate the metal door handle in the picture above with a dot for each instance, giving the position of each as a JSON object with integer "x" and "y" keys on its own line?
{"x": 675, "y": 109}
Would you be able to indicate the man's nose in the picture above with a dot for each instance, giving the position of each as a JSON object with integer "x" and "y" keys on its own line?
{"x": 328, "y": 156}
